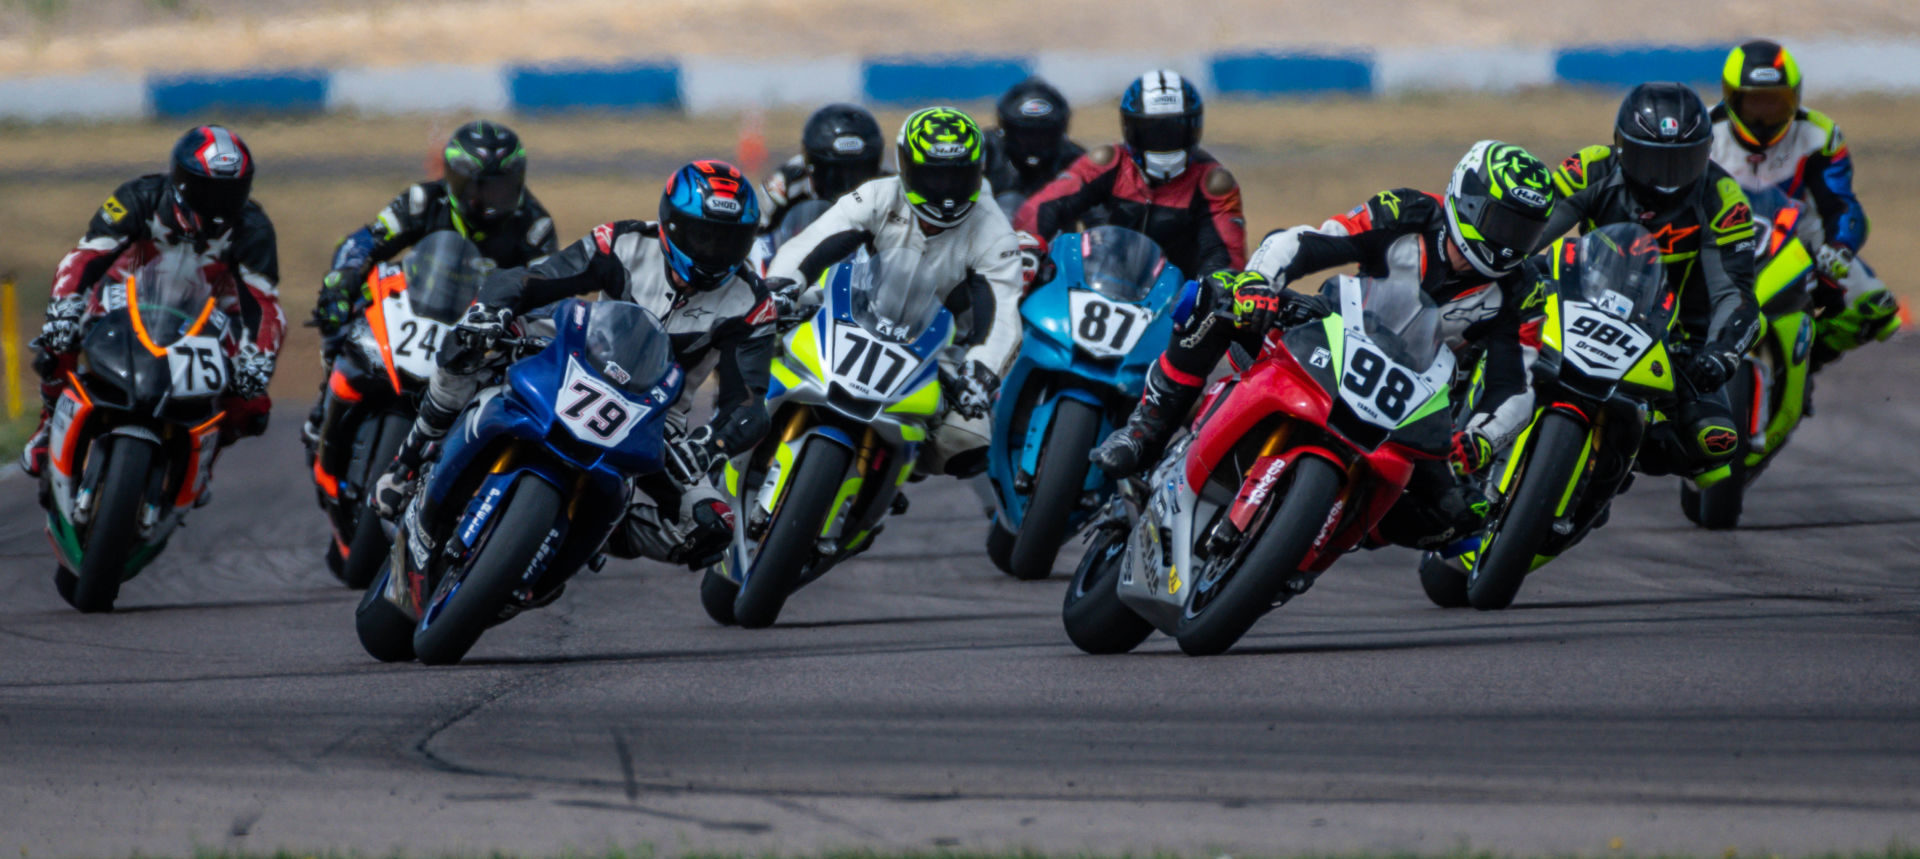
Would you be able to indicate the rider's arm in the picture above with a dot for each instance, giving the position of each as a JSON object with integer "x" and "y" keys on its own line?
{"x": 1829, "y": 177}
{"x": 119, "y": 221}
{"x": 1222, "y": 227}
{"x": 831, "y": 237}
{"x": 996, "y": 259}
{"x": 1059, "y": 205}
{"x": 256, "y": 255}
{"x": 745, "y": 345}
{"x": 540, "y": 240}
{"x": 1571, "y": 179}
{"x": 393, "y": 230}
{"x": 1726, "y": 264}
{"x": 585, "y": 266}
{"x": 1359, "y": 236}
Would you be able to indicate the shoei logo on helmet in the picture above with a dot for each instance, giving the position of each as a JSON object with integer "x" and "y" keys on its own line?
{"x": 1530, "y": 196}
{"x": 1162, "y": 93}
{"x": 1036, "y": 107}
{"x": 1669, "y": 126}
{"x": 1764, "y": 75}
{"x": 849, "y": 144}
{"x": 723, "y": 206}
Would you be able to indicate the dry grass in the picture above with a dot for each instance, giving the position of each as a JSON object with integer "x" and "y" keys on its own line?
{"x": 1297, "y": 161}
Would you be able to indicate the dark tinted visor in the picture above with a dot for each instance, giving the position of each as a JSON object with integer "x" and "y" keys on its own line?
{"x": 1664, "y": 166}
{"x": 713, "y": 246}
{"x": 492, "y": 195}
{"x": 937, "y": 183}
{"x": 1161, "y": 133}
{"x": 218, "y": 199}
{"x": 1024, "y": 143}
{"x": 834, "y": 178}
{"x": 1764, "y": 112}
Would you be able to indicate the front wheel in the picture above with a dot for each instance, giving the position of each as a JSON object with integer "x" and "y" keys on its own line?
{"x": 386, "y": 633}
{"x": 717, "y": 593}
{"x": 1096, "y": 620}
{"x": 1507, "y": 552}
{"x": 789, "y": 545}
{"x": 1249, "y": 588}
{"x": 366, "y": 549}
{"x": 113, "y": 536}
{"x": 1057, "y": 481}
{"x": 473, "y": 602}
{"x": 1445, "y": 586}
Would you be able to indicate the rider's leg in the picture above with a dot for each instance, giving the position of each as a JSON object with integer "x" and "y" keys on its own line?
{"x": 1172, "y": 387}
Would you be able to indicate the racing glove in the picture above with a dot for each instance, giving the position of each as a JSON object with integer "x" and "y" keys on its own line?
{"x": 1834, "y": 261}
{"x": 690, "y": 457}
{"x": 786, "y": 294}
{"x": 252, "y": 370}
{"x": 474, "y": 336}
{"x": 971, "y": 390}
{"x": 1472, "y": 451}
{"x": 61, "y": 332}
{"x": 1303, "y": 308}
{"x": 1033, "y": 261}
{"x": 1711, "y": 367}
{"x": 1256, "y": 302}
{"x": 339, "y": 290}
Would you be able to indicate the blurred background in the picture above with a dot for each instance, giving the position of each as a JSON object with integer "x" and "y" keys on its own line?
{"x": 1313, "y": 104}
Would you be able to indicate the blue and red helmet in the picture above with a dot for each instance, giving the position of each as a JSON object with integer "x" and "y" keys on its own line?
{"x": 212, "y": 176}
{"x": 709, "y": 215}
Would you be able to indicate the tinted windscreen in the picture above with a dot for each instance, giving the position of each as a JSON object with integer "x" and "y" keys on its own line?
{"x": 443, "y": 274}
{"x": 622, "y": 338}
{"x": 1619, "y": 271}
{"x": 1120, "y": 263}
{"x": 1400, "y": 318}
{"x": 893, "y": 295}
{"x": 168, "y": 293}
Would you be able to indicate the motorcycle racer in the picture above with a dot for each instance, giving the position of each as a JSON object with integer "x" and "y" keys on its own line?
{"x": 1158, "y": 182}
{"x": 840, "y": 149}
{"x": 1657, "y": 174}
{"x": 933, "y": 206}
{"x": 687, "y": 269}
{"x": 203, "y": 206}
{"x": 1030, "y": 146}
{"x": 1763, "y": 137}
{"x": 1465, "y": 248}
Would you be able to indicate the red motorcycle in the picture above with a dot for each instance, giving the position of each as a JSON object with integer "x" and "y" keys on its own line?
{"x": 1291, "y": 464}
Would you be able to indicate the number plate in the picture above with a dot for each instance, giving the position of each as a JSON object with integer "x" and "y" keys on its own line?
{"x": 413, "y": 340}
{"x": 594, "y": 411}
{"x": 868, "y": 366}
{"x": 1601, "y": 345}
{"x": 198, "y": 366}
{"x": 1103, "y": 327}
{"x": 1379, "y": 390}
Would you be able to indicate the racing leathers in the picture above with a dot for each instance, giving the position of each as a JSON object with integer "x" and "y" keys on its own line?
{"x": 1706, "y": 238}
{"x": 243, "y": 266}
{"x": 980, "y": 254}
{"x": 1811, "y": 163}
{"x": 728, "y": 331}
{"x": 1194, "y": 217}
{"x": 790, "y": 185}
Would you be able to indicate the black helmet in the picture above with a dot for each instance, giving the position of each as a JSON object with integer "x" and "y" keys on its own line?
{"x": 1760, "y": 85}
{"x": 843, "y": 147}
{"x": 1160, "y": 119}
{"x": 1033, "y": 120}
{"x": 212, "y": 176}
{"x": 1664, "y": 138}
{"x": 486, "y": 172}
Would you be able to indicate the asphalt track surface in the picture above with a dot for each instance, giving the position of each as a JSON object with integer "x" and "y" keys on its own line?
{"x": 1673, "y": 689}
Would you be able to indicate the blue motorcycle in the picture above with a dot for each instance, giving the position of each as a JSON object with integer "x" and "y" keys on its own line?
{"x": 1089, "y": 335}
{"x": 533, "y": 477}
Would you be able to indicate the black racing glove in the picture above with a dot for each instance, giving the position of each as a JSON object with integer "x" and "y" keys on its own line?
{"x": 475, "y": 335}
{"x": 339, "y": 291}
{"x": 1303, "y": 308}
{"x": 1710, "y": 368}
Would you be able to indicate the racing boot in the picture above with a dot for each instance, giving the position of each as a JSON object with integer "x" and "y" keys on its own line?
{"x": 33, "y": 456}
{"x": 396, "y": 484}
{"x": 1164, "y": 403}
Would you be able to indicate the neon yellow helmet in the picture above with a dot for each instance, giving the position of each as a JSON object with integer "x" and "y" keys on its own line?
{"x": 1760, "y": 85}
{"x": 942, "y": 161}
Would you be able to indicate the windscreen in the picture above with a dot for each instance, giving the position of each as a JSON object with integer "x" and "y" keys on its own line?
{"x": 1619, "y": 271}
{"x": 1400, "y": 318}
{"x": 797, "y": 219}
{"x": 1120, "y": 263}
{"x": 626, "y": 345}
{"x": 443, "y": 274}
{"x": 893, "y": 295}
{"x": 168, "y": 292}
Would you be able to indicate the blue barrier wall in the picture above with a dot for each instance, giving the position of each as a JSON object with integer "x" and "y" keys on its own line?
{"x": 637, "y": 86}
{"x": 1624, "y": 67}
{"x": 1291, "y": 74}
{"x": 269, "y": 92}
{"x": 888, "y": 80}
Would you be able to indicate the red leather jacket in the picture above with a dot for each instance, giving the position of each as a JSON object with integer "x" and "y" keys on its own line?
{"x": 1195, "y": 217}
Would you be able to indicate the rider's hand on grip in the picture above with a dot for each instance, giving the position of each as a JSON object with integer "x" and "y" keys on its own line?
{"x": 474, "y": 336}
{"x": 691, "y": 456}
{"x": 339, "y": 290}
{"x": 1303, "y": 308}
{"x": 1033, "y": 260}
{"x": 61, "y": 333}
{"x": 1472, "y": 451}
{"x": 1256, "y": 302}
{"x": 1710, "y": 368}
{"x": 971, "y": 390}
{"x": 252, "y": 370}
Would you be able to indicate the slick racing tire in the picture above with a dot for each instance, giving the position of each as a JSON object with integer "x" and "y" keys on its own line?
{"x": 1000, "y": 545}
{"x": 1508, "y": 549}
{"x": 1096, "y": 620}
{"x": 386, "y": 633}
{"x": 1061, "y": 473}
{"x": 499, "y": 562}
{"x": 1250, "y": 588}
{"x": 1446, "y": 587}
{"x": 717, "y": 593}
{"x": 789, "y": 546}
{"x": 367, "y": 549}
{"x": 1718, "y": 507}
{"x": 112, "y": 535}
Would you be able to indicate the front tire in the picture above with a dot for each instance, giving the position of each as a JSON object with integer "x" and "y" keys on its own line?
{"x": 1446, "y": 587}
{"x": 1256, "y": 581}
{"x": 386, "y": 633}
{"x": 497, "y": 570}
{"x": 717, "y": 593}
{"x": 1096, "y": 620}
{"x": 1061, "y": 473}
{"x": 366, "y": 550}
{"x": 111, "y": 536}
{"x": 789, "y": 545}
{"x": 1507, "y": 551}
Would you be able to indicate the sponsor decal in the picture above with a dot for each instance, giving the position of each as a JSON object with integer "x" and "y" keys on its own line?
{"x": 723, "y": 206}
{"x": 616, "y": 373}
{"x": 539, "y": 562}
{"x": 1736, "y": 216}
{"x": 1265, "y": 484}
{"x": 1575, "y": 169}
{"x": 1320, "y": 357}
{"x": 112, "y": 210}
{"x": 1669, "y": 126}
{"x": 479, "y": 518}
{"x": 1529, "y": 196}
{"x": 1036, "y": 107}
{"x": 947, "y": 149}
{"x": 603, "y": 238}
{"x": 1764, "y": 75}
{"x": 1718, "y": 440}
{"x": 1669, "y": 237}
{"x": 1326, "y": 528}
{"x": 848, "y": 144}
{"x": 764, "y": 313}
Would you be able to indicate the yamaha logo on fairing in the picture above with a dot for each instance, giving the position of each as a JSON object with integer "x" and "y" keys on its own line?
{"x": 1529, "y": 196}
{"x": 1036, "y": 107}
{"x": 849, "y": 145}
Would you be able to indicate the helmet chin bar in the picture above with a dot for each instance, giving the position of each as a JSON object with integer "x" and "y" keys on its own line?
{"x": 1161, "y": 166}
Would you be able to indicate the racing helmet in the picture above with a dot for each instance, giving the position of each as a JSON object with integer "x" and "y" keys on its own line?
{"x": 709, "y": 215}
{"x": 486, "y": 172}
{"x": 1160, "y": 120}
{"x": 942, "y": 164}
{"x": 1760, "y": 85}
{"x": 1497, "y": 204}
{"x": 842, "y": 147}
{"x": 1663, "y": 138}
{"x": 211, "y": 176}
{"x": 1033, "y": 121}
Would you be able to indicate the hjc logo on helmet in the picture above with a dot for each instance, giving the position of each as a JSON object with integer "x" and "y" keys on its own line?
{"x": 947, "y": 150}
{"x": 1529, "y": 196}
{"x": 1036, "y": 107}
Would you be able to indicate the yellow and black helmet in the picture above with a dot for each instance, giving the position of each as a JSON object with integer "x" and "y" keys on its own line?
{"x": 942, "y": 162}
{"x": 1760, "y": 85}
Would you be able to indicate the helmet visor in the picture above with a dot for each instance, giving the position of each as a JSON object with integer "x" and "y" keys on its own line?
{"x": 714, "y": 247}
{"x": 1764, "y": 112}
{"x": 215, "y": 199}
{"x": 1161, "y": 133}
{"x": 1502, "y": 227}
{"x": 947, "y": 186}
{"x": 834, "y": 178}
{"x": 1032, "y": 144}
{"x": 491, "y": 195}
{"x": 1664, "y": 166}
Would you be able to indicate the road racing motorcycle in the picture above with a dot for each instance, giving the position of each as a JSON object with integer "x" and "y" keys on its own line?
{"x": 530, "y": 481}
{"x": 133, "y": 437}
{"x": 374, "y": 390}
{"x": 1290, "y": 465}
{"x": 1090, "y": 334}
{"x": 854, "y": 392}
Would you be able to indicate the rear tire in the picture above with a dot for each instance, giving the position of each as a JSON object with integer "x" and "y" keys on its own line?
{"x": 1264, "y": 570}
{"x": 111, "y": 536}
{"x": 385, "y": 631}
{"x": 1445, "y": 586}
{"x": 790, "y": 543}
{"x": 717, "y": 593}
{"x": 503, "y": 559}
{"x": 1096, "y": 620}
{"x": 366, "y": 551}
{"x": 1061, "y": 473}
{"x": 1721, "y": 504}
{"x": 1507, "y": 551}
